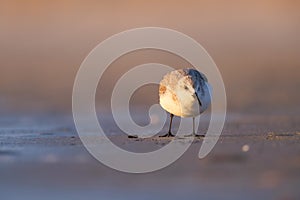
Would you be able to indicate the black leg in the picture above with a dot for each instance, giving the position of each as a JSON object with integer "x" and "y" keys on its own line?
{"x": 169, "y": 134}
{"x": 170, "y": 126}
{"x": 194, "y": 131}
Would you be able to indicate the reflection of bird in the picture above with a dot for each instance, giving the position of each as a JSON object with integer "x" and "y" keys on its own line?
{"x": 184, "y": 93}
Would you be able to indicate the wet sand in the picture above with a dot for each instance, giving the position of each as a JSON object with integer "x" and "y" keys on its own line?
{"x": 257, "y": 156}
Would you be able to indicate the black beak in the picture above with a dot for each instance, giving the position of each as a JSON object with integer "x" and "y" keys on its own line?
{"x": 198, "y": 99}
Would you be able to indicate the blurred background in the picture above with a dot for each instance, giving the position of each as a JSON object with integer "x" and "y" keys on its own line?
{"x": 255, "y": 44}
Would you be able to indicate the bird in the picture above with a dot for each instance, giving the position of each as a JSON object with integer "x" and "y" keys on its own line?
{"x": 184, "y": 93}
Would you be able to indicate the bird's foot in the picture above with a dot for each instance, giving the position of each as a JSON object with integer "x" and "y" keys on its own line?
{"x": 199, "y": 136}
{"x": 167, "y": 135}
{"x": 194, "y": 135}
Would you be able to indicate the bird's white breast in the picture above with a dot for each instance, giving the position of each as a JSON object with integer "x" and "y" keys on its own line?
{"x": 180, "y": 104}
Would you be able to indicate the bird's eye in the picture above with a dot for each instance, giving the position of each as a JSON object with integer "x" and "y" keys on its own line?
{"x": 185, "y": 87}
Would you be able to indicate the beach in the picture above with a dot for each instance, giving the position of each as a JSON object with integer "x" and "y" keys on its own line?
{"x": 257, "y": 156}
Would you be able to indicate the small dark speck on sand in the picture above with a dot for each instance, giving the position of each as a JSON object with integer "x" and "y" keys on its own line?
{"x": 132, "y": 136}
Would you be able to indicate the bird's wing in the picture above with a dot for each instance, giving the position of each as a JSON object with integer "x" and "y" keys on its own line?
{"x": 199, "y": 101}
{"x": 199, "y": 83}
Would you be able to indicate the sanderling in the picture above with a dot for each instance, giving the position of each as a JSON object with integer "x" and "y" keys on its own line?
{"x": 184, "y": 93}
